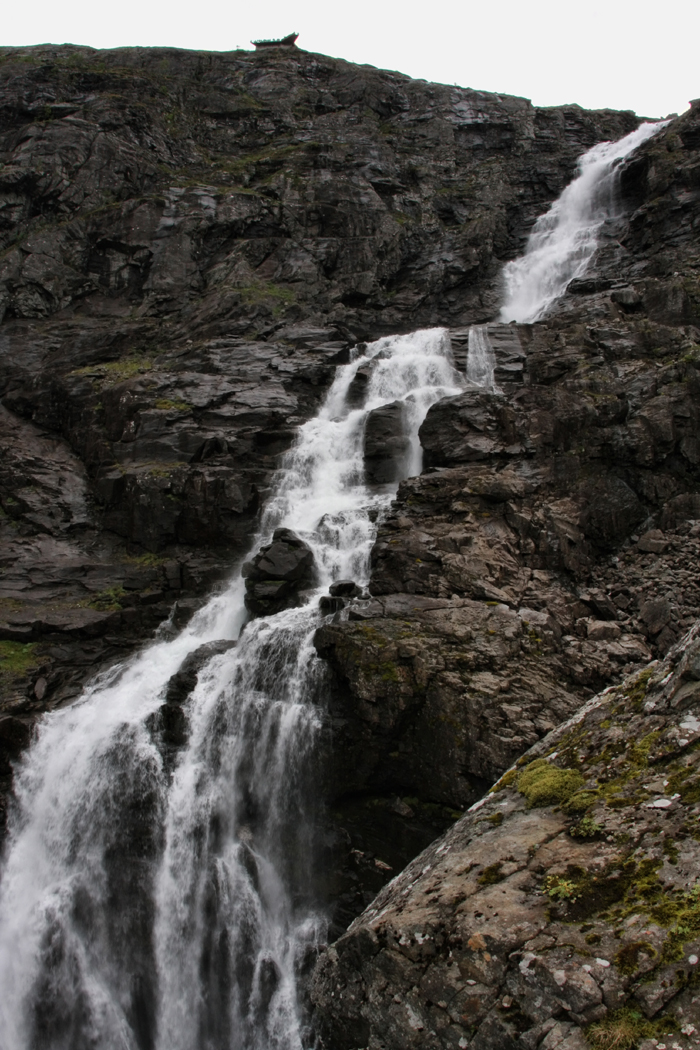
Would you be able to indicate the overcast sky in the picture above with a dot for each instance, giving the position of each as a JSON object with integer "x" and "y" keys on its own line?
{"x": 612, "y": 53}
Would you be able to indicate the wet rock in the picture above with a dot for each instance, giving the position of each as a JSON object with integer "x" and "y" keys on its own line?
{"x": 386, "y": 446}
{"x": 330, "y": 604}
{"x": 278, "y": 573}
{"x": 170, "y": 724}
{"x": 345, "y": 589}
{"x": 181, "y": 684}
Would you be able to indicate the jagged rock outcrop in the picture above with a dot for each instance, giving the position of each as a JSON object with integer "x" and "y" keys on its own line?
{"x": 562, "y": 911}
{"x": 279, "y": 572}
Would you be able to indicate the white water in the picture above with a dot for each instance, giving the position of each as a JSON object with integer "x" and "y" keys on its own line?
{"x": 145, "y": 908}
{"x": 481, "y": 359}
{"x": 563, "y": 241}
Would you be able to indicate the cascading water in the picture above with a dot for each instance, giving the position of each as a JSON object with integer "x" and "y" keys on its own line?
{"x": 563, "y": 240}
{"x": 481, "y": 359}
{"x": 160, "y": 901}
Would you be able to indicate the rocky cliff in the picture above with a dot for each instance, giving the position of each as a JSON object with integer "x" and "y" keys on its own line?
{"x": 189, "y": 243}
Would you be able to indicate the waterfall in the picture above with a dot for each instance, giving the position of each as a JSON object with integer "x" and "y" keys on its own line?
{"x": 563, "y": 241}
{"x": 162, "y": 899}
{"x": 481, "y": 359}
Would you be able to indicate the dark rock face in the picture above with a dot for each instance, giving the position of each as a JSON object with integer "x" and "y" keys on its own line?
{"x": 386, "y": 447}
{"x": 554, "y": 904}
{"x": 189, "y": 244}
{"x": 278, "y": 573}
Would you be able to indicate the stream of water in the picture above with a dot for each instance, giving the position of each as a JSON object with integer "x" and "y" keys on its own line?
{"x": 159, "y": 902}
{"x": 563, "y": 240}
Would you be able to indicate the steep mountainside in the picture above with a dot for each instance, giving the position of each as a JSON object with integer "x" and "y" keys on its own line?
{"x": 189, "y": 243}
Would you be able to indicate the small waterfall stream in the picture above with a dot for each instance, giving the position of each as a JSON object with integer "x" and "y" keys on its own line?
{"x": 481, "y": 359}
{"x": 563, "y": 241}
{"x": 152, "y": 901}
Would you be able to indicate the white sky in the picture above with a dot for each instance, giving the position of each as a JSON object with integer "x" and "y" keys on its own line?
{"x": 623, "y": 54}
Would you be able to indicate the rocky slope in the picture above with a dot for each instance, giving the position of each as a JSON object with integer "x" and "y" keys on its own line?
{"x": 189, "y": 244}
{"x": 563, "y": 911}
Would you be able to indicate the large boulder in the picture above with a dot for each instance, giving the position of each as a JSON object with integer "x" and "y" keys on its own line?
{"x": 278, "y": 574}
{"x": 386, "y": 444}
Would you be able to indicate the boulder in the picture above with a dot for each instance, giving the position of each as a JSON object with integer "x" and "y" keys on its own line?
{"x": 345, "y": 589}
{"x": 386, "y": 445}
{"x": 278, "y": 573}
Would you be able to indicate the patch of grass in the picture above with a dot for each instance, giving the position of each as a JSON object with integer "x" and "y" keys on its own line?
{"x": 624, "y": 1029}
{"x": 17, "y": 658}
{"x": 110, "y": 373}
{"x": 148, "y": 560}
{"x": 260, "y": 292}
{"x": 109, "y": 600}
{"x": 544, "y": 784}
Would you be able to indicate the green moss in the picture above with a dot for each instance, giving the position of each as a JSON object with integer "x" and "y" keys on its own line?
{"x": 491, "y": 874}
{"x": 670, "y": 849}
{"x": 587, "y": 828}
{"x": 165, "y": 405}
{"x": 109, "y": 600}
{"x": 17, "y": 658}
{"x": 544, "y": 784}
{"x": 638, "y": 688}
{"x": 580, "y": 802}
{"x": 506, "y": 780}
{"x": 627, "y": 958}
{"x": 683, "y": 783}
{"x": 682, "y": 914}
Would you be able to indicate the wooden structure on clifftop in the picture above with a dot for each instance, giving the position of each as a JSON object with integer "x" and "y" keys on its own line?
{"x": 286, "y": 41}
